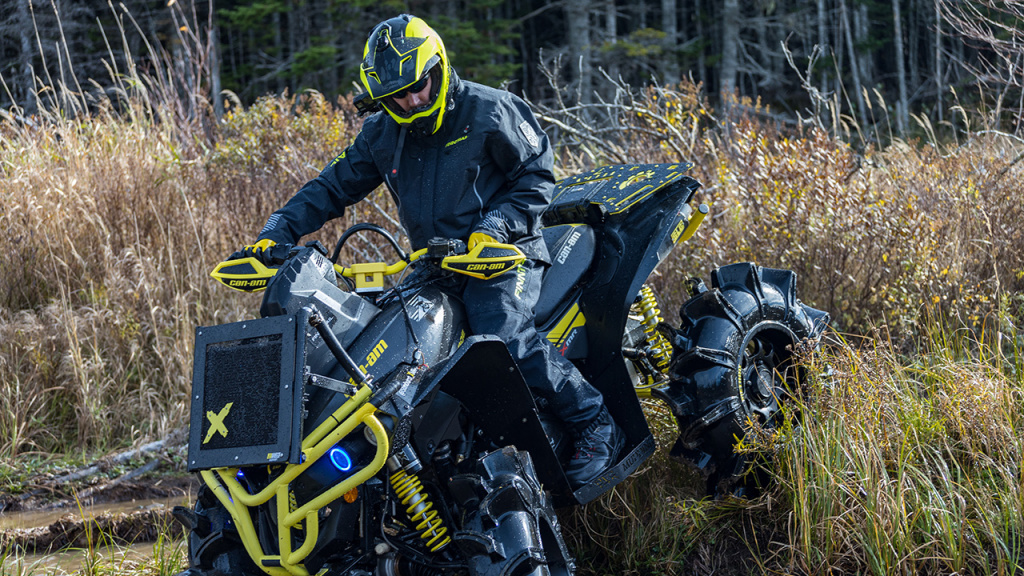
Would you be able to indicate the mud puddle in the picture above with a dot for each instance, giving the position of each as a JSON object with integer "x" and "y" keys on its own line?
{"x": 29, "y": 519}
{"x": 116, "y": 527}
{"x": 74, "y": 560}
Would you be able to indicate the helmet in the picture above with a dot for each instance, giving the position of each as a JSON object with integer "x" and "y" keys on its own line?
{"x": 399, "y": 53}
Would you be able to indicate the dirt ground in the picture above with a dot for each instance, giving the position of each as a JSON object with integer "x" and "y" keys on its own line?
{"x": 48, "y": 516}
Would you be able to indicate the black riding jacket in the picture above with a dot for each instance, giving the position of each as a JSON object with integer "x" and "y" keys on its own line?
{"x": 488, "y": 169}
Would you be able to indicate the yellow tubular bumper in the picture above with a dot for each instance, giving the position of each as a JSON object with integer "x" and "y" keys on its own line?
{"x": 237, "y": 501}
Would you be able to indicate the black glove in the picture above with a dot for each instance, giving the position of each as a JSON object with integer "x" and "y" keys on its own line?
{"x": 266, "y": 251}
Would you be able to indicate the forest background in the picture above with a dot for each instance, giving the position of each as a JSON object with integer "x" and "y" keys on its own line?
{"x": 911, "y": 56}
{"x": 875, "y": 148}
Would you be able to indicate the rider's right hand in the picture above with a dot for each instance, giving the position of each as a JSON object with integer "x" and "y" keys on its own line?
{"x": 266, "y": 251}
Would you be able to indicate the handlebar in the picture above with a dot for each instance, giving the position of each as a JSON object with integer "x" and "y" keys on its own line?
{"x": 485, "y": 261}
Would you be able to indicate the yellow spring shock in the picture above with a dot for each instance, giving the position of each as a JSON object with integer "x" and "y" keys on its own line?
{"x": 660, "y": 348}
{"x": 419, "y": 508}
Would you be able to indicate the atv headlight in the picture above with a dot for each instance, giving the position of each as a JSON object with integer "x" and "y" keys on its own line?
{"x": 341, "y": 459}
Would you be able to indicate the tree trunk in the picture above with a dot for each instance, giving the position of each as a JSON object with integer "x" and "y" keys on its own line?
{"x": 28, "y": 93}
{"x": 669, "y": 16}
{"x": 901, "y": 72}
{"x": 332, "y": 34}
{"x": 913, "y": 45}
{"x": 293, "y": 47}
{"x": 823, "y": 43}
{"x": 218, "y": 101}
{"x": 730, "y": 47}
{"x": 939, "y": 88}
{"x": 611, "y": 32}
{"x": 699, "y": 20}
{"x": 577, "y": 16}
{"x": 862, "y": 32}
{"x": 279, "y": 46}
{"x": 861, "y": 109}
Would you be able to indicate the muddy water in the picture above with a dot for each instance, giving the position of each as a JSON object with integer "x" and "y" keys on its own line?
{"x": 37, "y": 518}
{"x": 72, "y": 560}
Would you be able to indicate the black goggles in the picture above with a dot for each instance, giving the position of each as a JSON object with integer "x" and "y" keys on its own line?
{"x": 416, "y": 87}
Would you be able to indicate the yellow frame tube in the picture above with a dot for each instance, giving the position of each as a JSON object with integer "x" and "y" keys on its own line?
{"x": 243, "y": 522}
{"x": 339, "y": 415}
{"x": 237, "y": 501}
{"x": 694, "y": 223}
{"x": 313, "y": 448}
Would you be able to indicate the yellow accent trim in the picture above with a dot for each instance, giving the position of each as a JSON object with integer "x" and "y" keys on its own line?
{"x": 253, "y": 282}
{"x": 217, "y": 422}
{"x": 418, "y": 508}
{"x": 236, "y": 500}
{"x": 661, "y": 349}
{"x": 572, "y": 320}
{"x": 471, "y": 264}
{"x": 456, "y": 141}
{"x": 635, "y": 178}
{"x": 349, "y": 272}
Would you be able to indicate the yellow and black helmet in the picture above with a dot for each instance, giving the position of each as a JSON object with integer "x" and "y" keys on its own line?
{"x": 399, "y": 56}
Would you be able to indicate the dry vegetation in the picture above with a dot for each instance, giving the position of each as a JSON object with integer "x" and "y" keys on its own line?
{"x": 907, "y": 458}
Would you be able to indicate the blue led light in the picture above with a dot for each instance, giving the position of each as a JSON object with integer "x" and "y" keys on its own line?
{"x": 340, "y": 458}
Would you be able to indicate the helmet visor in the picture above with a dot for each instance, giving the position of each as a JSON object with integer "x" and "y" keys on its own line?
{"x": 433, "y": 77}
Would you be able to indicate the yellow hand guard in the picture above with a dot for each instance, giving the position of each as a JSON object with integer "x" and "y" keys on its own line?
{"x": 476, "y": 238}
{"x": 248, "y": 269}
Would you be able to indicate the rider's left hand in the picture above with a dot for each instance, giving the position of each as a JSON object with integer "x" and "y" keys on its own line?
{"x": 476, "y": 238}
{"x": 266, "y": 251}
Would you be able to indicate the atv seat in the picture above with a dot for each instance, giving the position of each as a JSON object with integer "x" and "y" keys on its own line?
{"x": 572, "y": 248}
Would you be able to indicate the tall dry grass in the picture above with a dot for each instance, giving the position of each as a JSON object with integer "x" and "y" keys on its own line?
{"x": 112, "y": 228}
{"x": 907, "y": 466}
{"x": 907, "y": 459}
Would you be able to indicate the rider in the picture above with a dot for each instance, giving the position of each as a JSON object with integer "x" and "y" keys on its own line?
{"x": 461, "y": 160}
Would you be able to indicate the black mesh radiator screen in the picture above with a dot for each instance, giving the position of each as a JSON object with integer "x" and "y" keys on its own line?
{"x": 247, "y": 393}
{"x": 246, "y": 374}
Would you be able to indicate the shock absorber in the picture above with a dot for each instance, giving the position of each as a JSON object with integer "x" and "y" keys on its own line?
{"x": 660, "y": 348}
{"x": 420, "y": 510}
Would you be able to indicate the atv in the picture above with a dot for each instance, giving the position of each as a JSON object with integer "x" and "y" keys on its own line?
{"x": 358, "y": 430}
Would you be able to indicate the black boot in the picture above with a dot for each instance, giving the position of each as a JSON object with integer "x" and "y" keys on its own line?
{"x": 597, "y": 446}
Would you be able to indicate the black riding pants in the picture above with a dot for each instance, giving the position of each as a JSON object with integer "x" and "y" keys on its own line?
{"x": 504, "y": 306}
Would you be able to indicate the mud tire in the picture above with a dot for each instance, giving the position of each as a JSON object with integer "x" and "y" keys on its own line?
{"x": 214, "y": 546}
{"x": 510, "y": 527}
{"x": 732, "y": 364}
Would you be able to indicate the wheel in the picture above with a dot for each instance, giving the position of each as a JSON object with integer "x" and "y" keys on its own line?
{"x": 214, "y": 547}
{"x": 732, "y": 363}
{"x": 510, "y": 526}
